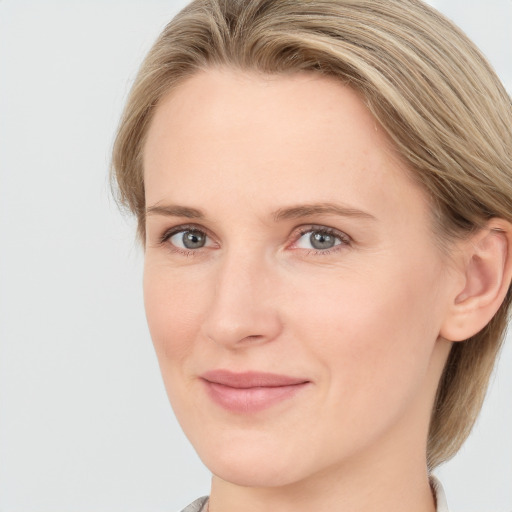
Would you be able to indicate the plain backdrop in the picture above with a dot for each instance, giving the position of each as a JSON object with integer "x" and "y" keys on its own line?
{"x": 84, "y": 420}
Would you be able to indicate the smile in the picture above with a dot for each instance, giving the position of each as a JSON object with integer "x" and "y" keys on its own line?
{"x": 250, "y": 392}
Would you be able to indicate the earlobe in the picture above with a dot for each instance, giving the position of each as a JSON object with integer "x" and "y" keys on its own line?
{"x": 487, "y": 272}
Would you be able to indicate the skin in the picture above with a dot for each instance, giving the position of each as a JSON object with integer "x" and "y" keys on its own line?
{"x": 360, "y": 321}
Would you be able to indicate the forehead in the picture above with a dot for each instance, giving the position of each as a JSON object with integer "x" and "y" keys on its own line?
{"x": 223, "y": 106}
{"x": 299, "y": 137}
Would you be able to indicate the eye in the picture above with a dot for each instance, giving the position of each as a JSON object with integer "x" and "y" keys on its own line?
{"x": 186, "y": 239}
{"x": 321, "y": 239}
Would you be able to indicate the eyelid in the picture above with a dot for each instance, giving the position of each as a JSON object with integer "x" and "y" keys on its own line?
{"x": 168, "y": 233}
{"x": 345, "y": 240}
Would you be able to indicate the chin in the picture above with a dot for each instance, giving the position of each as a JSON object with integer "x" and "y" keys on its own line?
{"x": 252, "y": 464}
{"x": 252, "y": 473}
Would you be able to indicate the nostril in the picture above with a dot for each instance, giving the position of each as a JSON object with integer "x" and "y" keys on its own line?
{"x": 254, "y": 337}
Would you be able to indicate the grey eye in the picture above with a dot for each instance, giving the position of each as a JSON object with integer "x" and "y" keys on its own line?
{"x": 320, "y": 240}
{"x": 189, "y": 239}
{"x": 193, "y": 239}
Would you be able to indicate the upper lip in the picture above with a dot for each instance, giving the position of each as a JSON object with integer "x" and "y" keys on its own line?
{"x": 250, "y": 379}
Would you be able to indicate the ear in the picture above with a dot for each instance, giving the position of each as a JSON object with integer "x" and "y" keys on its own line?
{"x": 486, "y": 272}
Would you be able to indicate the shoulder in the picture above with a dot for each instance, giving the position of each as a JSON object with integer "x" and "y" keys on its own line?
{"x": 199, "y": 505}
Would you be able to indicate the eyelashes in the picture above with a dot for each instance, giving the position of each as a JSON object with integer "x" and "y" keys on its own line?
{"x": 192, "y": 240}
{"x": 321, "y": 239}
{"x": 186, "y": 239}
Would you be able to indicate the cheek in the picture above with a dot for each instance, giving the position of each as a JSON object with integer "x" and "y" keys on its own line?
{"x": 373, "y": 333}
{"x": 173, "y": 306}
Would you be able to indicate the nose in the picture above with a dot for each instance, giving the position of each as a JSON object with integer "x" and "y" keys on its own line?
{"x": 243, "y": 309}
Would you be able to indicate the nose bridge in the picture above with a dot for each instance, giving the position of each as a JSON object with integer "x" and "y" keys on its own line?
{"x": 242, "y": 308}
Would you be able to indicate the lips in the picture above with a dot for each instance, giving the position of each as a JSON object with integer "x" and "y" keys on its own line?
{"x": 250, "y": 392}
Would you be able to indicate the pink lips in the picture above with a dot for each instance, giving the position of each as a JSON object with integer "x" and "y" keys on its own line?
{"x": 250, "y": 391}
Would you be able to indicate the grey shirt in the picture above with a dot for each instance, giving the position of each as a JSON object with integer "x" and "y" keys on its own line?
{"x": 201, "y": 504}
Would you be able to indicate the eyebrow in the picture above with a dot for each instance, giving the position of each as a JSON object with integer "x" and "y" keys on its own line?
{"x": 292, "y": 212}
{"x": 305, "y": 210}
{"x": 172, "y": 210}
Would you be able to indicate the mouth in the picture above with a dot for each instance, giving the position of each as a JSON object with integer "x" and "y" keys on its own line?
{"x": 250, "y": 392}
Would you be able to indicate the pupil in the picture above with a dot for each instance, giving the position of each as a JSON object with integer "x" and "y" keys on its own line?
{"x": 321, "y": 240}
{"x": 193, "y": 239}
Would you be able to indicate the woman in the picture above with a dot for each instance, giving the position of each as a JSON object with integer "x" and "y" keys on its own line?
{"x": 324, "y": 194}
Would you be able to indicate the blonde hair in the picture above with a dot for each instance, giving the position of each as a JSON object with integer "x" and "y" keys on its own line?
{"x": 424, "y": 81}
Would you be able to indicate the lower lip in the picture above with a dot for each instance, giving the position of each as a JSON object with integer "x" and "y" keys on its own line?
{"x": 250, "y": 400}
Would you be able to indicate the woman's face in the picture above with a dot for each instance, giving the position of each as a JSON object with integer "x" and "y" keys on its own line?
{"x": 293, "y": 288}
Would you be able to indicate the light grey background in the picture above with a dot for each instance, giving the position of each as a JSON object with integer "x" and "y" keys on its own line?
{"x": 84, "y": 420}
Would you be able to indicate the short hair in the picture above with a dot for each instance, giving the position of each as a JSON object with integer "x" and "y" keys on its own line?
{"x": 424, "y": 81}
